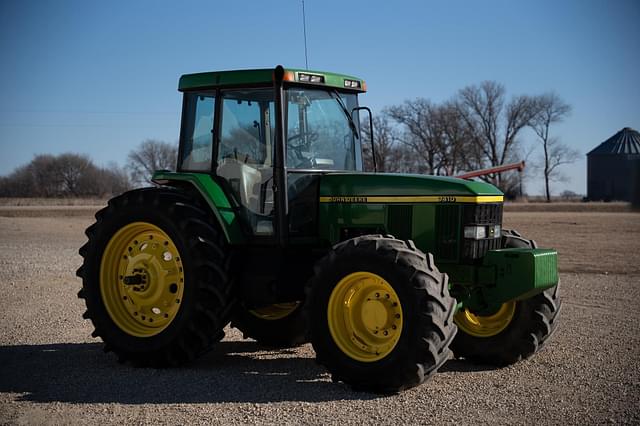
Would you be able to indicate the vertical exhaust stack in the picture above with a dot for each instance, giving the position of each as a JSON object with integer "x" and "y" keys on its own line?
{"x": 279, "y": 172}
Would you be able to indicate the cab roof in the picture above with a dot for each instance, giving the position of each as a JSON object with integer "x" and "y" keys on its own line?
{"x": 215, "y": 79}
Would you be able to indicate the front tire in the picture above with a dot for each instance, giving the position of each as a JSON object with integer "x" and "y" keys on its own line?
{"x": 517, "y": 330}
{"x": 155, "y": 278}
{"x": 381, "y": 317}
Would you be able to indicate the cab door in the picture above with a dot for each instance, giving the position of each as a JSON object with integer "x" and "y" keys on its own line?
{"x": 244, "y": 157}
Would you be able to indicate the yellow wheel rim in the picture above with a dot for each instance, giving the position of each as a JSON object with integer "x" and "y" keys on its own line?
{"x": 141, "y": 279}
{"x": 485, "y": 326}
{"x": 275, "y": 312}
{"x": 365, "y": 316}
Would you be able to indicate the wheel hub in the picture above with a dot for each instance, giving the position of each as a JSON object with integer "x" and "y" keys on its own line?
{"x": 485, "y": 325}
{"x": 374, "y": 315}
{"x": 365, "y": 316}
{"x": 141, "y": 279}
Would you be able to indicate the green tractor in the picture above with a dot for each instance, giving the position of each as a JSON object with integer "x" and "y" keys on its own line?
{"x": 271, "y": 224}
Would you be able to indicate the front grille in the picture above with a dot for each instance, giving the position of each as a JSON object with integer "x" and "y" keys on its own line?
{"x": 447, "y": 231}
{"x": 399, "y": 221}
{"x": 476, "y": 249}
{"x": 480, "y": 214}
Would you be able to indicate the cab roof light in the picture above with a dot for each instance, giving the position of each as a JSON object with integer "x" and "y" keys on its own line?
{"x": 353, "y": 84}
{"x": 310, "y": 78}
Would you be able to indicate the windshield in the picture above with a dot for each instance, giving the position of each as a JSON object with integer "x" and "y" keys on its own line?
{"x": 320, "y": 134}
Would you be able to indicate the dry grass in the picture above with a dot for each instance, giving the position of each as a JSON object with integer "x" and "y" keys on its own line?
{"x": 567, "y": 207}
{"x": 586, "y": 241}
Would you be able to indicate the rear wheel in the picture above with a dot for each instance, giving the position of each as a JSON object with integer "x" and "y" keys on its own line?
{"x": 516, "y": 330}
{"x": 155, "y": 278}
{"x": 381, "y": 317}
{"x": 280, "y": 325}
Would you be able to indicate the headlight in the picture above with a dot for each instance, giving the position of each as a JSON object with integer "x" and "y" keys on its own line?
{"x": 481, "y": 232}
{"x": 475, "y": 232}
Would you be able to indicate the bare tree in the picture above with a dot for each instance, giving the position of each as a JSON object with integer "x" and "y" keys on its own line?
{"x": 454, "y": 142}
{"x": 387, "y": 150}
{"x": 436, "y": 134}
{"x": 420, "y": 132}
{"x": 492, "y": 123}
{"x": 116, "y": 179}
{"x": 552, "y": 109}
{"x": 150, "y": 156}
{"x": 19, "y": 183}
{"x": 45, "y": 177}
{"x": 104, "y": 181}
{"x": 556, "y": 155}
{"x": 70, "y": 169}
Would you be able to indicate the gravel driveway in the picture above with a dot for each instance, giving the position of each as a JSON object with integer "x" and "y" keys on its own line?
{"x": 53, "y": 372}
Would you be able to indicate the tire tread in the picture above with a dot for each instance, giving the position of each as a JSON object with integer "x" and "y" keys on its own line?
{"x": 213, "y": 293}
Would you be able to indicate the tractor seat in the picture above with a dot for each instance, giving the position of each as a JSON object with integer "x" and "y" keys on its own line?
{"x": 245, "y": 181}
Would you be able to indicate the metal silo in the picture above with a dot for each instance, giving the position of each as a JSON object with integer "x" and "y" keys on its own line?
{"x": 612, "y": 167}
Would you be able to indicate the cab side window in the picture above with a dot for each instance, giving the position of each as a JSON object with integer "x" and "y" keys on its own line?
{"x": 197, "y": 146}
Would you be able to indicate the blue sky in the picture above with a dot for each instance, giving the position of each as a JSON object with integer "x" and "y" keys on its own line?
{"x": 100, "y": 77}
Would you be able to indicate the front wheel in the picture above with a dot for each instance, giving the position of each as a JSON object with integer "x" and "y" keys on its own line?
{"x": 515, "y": 331}
{"x": 380, "y": 313}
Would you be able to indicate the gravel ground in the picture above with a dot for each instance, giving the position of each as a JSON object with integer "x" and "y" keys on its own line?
{"x": 53, "y": 372}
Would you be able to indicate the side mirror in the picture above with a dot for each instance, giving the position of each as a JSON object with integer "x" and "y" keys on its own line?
{"x": 373, "y": 151}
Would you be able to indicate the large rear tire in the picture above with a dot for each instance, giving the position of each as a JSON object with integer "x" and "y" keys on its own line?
{"x": 155, "y": 278}
{"x": 380, "y": 313}
{"x": 516, "y": 331}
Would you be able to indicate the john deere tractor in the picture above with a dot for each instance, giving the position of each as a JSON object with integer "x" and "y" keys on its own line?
{"x": 271, "y": 224}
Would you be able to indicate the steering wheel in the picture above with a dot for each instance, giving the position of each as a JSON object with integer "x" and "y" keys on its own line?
{"x": 303, "y": 161}
{"x": 296, "y": 148}
{"x": 295, "y": 153}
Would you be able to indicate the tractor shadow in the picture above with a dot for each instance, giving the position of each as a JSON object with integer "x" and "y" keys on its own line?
{"x": 235, "y": 371}
{"x": 463, "y": 366}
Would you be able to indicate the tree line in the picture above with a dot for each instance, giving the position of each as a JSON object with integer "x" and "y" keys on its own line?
{"x": 476, "y": 129}
{"x": 75, "y": 175}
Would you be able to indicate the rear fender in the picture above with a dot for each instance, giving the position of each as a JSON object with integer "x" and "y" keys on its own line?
{"x": 218, "y": 202}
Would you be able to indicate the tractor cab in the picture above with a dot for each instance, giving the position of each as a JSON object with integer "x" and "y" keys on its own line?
{"x": 265, "y": 134}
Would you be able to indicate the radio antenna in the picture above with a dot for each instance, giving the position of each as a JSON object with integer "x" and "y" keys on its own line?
{"x": 304, "y": 28}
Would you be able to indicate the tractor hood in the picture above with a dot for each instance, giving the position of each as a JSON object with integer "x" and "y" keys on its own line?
{"x": 403, "y": 188}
